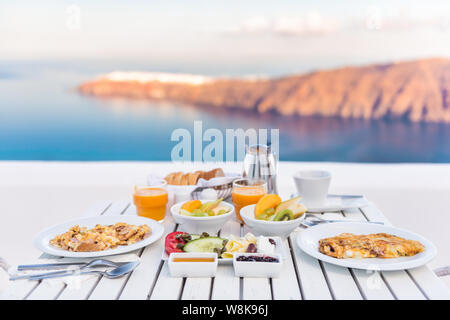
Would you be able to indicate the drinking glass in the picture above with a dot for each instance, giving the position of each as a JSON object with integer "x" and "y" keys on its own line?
{"x": 246, "y": 192}
{"x": 151, "y": 201}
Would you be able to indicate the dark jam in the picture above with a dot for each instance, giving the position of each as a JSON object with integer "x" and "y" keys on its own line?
{"x": 257, "y": 259}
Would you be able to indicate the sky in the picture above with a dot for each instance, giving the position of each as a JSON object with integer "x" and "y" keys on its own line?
{"x": 252, "y": 35}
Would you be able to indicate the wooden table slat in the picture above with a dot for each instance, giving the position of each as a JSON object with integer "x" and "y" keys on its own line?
{"x": 98, "y": 208}
{"x": 340, "y": 279}
{"x": 18, "y": 289}
{"x": 256, "y": 288}
{"x": 286, "y": 287}
{"x": 226, "y": 286}
{"x": 86, "y": 287}
{"x": 52, "y": 289}
{"x": 142, "y": 279}
{"x": 167, "y": 287}
{"x": 314, "y": 284}
{"x": 424, "y": 277}
{"x": 371, "y": 283}
{"x": 196, "y": 288}
{"x": 46, "y": 291}
{"x": 108, "y": 289}
{"x": 399, "y": 282}
{"x": 341, "y": 282}
{"x": 402, "y": 285}
{"x": 433, "y": 287}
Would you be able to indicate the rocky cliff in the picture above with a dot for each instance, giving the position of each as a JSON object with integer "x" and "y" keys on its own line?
{"x": 414, "y": 90}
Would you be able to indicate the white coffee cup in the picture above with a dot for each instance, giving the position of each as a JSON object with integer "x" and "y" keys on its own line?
{"x": 312, "y": 186}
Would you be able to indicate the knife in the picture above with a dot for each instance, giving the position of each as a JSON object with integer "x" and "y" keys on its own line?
{"x": 50, "y": 266}
{"x": 342, "y": 196}
{"x": 346, "y": 196}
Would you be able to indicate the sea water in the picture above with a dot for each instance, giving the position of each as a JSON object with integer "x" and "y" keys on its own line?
{"x": 43, "y": 117}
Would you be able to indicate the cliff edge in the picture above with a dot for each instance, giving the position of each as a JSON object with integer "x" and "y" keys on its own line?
{"x": 415, "y": 90}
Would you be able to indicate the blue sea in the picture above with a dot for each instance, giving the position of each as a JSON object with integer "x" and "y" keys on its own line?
{"x": 43, "y": 117}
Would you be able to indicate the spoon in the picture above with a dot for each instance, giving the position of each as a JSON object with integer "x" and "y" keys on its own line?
{"x": 111, "y": 274}
{"x": 61, "y": 266}
{"x": 91, "y": 264}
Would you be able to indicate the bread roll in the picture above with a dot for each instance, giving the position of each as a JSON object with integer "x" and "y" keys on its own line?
{"x": 177, "y": 178}
{"x": 201, "y": 174}
{"x": 169, "y": 178}
{"x": 193, "y": 178}
{"x": 218, "y": 172}
{"x": 185, "y": 179}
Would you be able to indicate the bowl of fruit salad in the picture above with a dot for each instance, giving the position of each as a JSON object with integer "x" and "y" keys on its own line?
{"x": 271, "y": 216}
{"x": 197, "y": 216}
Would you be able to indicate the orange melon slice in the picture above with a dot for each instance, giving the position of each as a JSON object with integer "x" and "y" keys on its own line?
{"x": 267, "y": 201}
{"x": 191, "y": 205}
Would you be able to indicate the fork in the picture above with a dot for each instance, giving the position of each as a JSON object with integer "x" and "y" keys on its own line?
{"x": 111, "y": 274}
{"x": 91, "y": 264}
{"x": 321, "y": 220}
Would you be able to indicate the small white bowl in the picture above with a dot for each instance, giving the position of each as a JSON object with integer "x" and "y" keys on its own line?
{"x": 257, "y": 269}
{"x": 268, "y": 228}
{"x": 197, "y": 225}
{"x": 192, "y": 269}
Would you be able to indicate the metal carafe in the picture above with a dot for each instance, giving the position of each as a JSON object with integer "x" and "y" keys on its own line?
{"x": 260, "y": 163}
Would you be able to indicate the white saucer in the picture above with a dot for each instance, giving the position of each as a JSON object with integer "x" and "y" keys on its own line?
{"x": 336, "y": 202}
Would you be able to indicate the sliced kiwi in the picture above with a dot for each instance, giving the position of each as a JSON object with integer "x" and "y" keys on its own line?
{"x": 198, "y": 213}
{"x": 283, "y": 215}
{"x": 266, "y": 214}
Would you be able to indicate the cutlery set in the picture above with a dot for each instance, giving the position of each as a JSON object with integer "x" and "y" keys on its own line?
{"x": 313, "y": 220}
{"x": 118, "y": 269}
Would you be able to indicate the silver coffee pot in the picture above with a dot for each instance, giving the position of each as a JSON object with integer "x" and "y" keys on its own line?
{"x": 260, "y": 163}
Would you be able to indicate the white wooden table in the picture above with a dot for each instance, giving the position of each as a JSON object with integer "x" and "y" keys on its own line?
{"x": 303, "y": 277}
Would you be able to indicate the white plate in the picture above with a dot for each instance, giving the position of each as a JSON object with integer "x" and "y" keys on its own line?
{"x": 42, "y": 240}
{"x": 308, "y": 241}
{"x": 279, "y": 249}
{"x": 338, "y": 203}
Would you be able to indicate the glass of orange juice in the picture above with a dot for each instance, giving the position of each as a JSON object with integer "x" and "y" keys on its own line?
{"x": 151, "y": 201}
{"x": 246, "y": 192}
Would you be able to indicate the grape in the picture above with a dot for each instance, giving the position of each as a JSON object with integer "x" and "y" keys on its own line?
{"x": 257, "y": 259}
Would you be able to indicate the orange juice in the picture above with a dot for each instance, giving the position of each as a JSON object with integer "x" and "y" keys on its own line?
{"x": 246, "y": 195}
{"x": 151, "y": 202}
